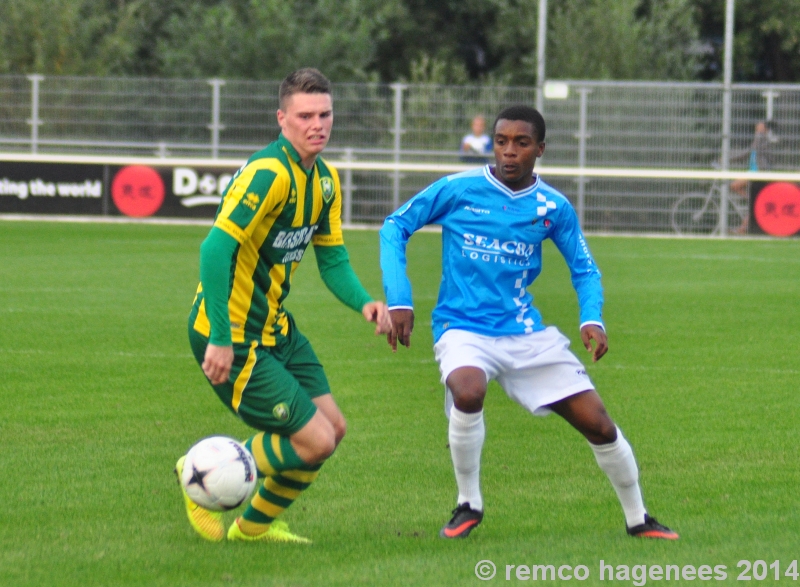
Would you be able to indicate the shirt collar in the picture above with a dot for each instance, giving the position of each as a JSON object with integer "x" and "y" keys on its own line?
{"x": 487, "y": 172}
{"x": 293, "y": 154}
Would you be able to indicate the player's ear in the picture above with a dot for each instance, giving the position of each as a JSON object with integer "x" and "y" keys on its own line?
{"x": 541, "y": 150}
{"x": 281, "y": 116}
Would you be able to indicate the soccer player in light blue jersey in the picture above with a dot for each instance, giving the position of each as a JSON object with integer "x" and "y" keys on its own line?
{"x": 494, "y": 220}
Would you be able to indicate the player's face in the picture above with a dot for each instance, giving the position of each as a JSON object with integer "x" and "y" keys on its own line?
{"x": 516, "y": 148}
{"x": 306, "y": 122}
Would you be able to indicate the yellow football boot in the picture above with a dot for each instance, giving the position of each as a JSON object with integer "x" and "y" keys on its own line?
{"x": 205, "y": 522}
{"x": 277, "y": 532}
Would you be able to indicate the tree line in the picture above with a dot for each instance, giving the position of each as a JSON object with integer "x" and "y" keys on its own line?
{"x": 418, "y": 41}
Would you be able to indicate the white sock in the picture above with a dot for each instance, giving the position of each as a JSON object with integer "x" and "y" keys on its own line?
{"x": 466, "y": 434}
{"x": 617, "y": 461}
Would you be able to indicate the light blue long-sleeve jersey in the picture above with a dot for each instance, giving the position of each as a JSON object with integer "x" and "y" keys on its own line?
{"x": 491, "y": 252}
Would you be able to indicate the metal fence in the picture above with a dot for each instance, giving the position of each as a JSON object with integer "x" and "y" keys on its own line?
{"x": 591, "y": 124}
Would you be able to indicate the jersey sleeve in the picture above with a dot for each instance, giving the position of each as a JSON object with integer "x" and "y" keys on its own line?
{"x": 329, "y": 231}
{"x": 424, "y": 208}
{"x": 339, "y": 277}
{"x": 254, "y": 192}
{"x": 570, "y": 241}
{"x": 216, "y": 254}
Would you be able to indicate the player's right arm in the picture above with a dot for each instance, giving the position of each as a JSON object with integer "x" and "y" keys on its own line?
{"x": 255, "y": 191}
{"x": 427, "y": 207}
{"x": 216, "y": 256}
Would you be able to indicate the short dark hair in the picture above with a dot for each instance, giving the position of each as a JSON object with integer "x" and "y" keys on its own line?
{"x": 526, "y": 113}
{"x": 303, "y": 81}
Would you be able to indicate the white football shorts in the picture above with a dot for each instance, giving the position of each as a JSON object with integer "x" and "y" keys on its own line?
{"x": 535, "y": 370}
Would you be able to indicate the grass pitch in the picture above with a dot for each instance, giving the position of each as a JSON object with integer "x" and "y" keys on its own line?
{"x": 101, "y": 395}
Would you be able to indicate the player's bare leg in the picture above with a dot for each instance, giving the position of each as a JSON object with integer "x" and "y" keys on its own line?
{"x": 587, "y": 414}
{"x": 468, "y": 386}
{"x": 327, "y": 405}
{"x": 466, "y": 434}
{"x": 741, "y": 187}
{"x": 315, "y": 441}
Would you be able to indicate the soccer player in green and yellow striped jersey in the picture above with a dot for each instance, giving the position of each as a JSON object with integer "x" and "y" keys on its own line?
{"x": 260, "y": 365}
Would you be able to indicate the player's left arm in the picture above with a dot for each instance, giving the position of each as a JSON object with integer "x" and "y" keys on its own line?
{"x": 334, "y": 265}
{"x": 338, "y": 275}
{"x": 585, "y": 275}
{"x": 594, "y": 333}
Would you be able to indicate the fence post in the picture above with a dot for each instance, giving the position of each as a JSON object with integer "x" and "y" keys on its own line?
{"x": 724, "y": 195}
{"x": 541, "y": 44}
{"x": 34, "y": 119}
{"x": 347, "y": 188}
{"x": 582, "y": 136}
{"x": 770, "y": 96}
{"x": 215, "y": 127}
{"x": 397, "y": 132}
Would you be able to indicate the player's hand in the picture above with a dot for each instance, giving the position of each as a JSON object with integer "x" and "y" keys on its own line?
{"x": 378, "y": 313}
{"x": 592, "y": 332}
{"x": 402, "y": 325}
{"x": 217, "y": 363}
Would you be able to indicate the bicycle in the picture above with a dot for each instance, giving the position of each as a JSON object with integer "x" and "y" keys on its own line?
{"x": 698, "y": 212}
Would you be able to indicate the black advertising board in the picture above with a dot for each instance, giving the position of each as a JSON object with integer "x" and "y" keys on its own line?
{"x": 136, "y": 190}
{"x": 170, "y": 192}
{"x": 51, "y": 188}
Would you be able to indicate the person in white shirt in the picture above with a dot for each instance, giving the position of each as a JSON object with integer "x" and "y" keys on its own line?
{"x": 476, "y": 146}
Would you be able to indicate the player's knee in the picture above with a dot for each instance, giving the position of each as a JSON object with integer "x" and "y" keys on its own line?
{"x": 468, "y": 386}
{"x": 322, "y": 448}
{"x": 316, "y": 441}
{"x": 468, "y": 396}
{"x": 339, "y": 430}
{"x": 603, "y": 431}
{"x": 608, "y": 430}
{"x": 469, "y": 401}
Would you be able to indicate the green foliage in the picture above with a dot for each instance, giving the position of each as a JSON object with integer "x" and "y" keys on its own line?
{"x": 766, "y": 39}
{"x": 596, "y": 39}
{"x": 419, "y": 41}
{"x": 39, "y": 37}
{"x": 266, "y": 39}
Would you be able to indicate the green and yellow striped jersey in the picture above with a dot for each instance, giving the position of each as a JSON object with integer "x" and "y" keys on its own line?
{"x": 273, "y": 208}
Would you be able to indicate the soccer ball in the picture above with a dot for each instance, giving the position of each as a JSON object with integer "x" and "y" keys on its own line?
{"x": 219, "y": 473}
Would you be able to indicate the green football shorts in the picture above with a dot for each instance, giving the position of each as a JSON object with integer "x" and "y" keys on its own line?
{"x": 270, "y": 388}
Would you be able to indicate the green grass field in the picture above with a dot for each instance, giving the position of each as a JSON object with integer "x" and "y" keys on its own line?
{"x": 100, "y": 396}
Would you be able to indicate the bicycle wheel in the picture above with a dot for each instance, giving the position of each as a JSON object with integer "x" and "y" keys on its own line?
{"x": 695, "y": 214}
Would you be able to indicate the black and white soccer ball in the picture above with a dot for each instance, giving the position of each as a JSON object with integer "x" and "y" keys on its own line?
{"x": 219, "y": 473}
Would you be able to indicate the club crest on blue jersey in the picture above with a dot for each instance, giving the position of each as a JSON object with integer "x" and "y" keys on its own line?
{"x": 540, "y": 227}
